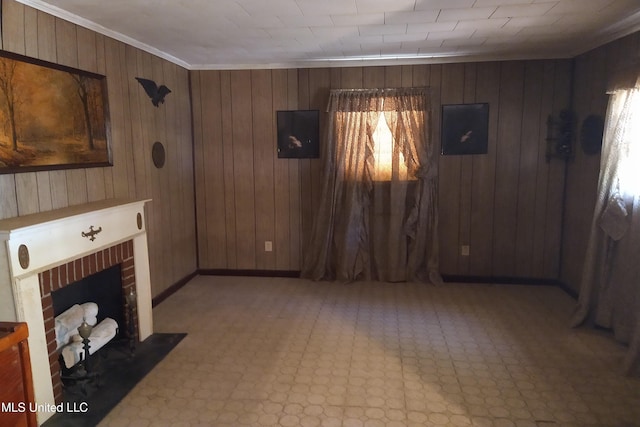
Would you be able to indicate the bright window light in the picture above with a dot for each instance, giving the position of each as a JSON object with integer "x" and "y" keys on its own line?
{"x": 383, "y": 154}
{"x": 629, "y": 172}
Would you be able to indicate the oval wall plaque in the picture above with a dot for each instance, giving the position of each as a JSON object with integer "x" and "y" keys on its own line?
{"x": 23, "y": 256}
{"x": 158, "y": 154}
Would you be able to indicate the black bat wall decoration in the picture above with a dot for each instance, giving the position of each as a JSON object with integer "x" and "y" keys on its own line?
{"x": 156, "y": 93}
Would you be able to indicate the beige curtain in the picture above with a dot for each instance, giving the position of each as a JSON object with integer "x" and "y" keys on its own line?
{"x": 368, "y": 227}
{"x": 610, "y": 288}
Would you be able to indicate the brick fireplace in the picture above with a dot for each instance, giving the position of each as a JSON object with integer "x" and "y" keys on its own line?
{"x": 60, "y": 276}
{"x": 43, "y": 252}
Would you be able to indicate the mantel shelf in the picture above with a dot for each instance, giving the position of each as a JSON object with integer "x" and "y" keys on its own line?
{"x": 12, "y": 224}
{"x": 37, "y": 242}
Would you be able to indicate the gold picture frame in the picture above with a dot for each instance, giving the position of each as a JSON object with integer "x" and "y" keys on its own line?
{"x": 51, "y": 116}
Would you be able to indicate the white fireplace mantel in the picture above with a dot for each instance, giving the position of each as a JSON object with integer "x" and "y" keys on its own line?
{"x": 38, "y": 242}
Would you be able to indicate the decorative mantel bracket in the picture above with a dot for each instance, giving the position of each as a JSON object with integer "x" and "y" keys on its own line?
{"x": 91, "y": 234}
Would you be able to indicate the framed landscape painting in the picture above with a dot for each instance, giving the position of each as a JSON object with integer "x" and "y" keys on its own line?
{"x": 51, "y": 117}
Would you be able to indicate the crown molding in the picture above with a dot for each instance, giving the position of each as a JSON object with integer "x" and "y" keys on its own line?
{"x": 624, "y": 27}
{"x": 78, "y": 20}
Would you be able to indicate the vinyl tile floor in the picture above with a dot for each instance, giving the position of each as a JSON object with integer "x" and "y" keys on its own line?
{"x": 291, "y": 352}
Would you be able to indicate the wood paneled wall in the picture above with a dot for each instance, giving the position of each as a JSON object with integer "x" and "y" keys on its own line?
{"x": 506, "y": 205}
{"x": 592, "y": 72}
{"x": 245, "y": 195}
{"x": 135, "y": 126}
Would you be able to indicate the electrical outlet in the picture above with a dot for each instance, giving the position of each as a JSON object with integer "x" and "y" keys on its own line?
{"x": 464, "y": 250}
{"x": 268, "y": 246}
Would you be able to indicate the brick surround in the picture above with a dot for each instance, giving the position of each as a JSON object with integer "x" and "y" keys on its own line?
{"x": 65, "y": 274}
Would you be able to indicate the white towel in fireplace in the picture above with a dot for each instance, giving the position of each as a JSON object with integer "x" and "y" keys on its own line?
{"x": 100, "y": 335}
{"x": 66, "y": 324}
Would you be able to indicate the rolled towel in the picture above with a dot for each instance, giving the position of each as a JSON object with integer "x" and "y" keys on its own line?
{"x": 67, "y": 322}
{"x": 67, "y": 338}
{"x": 106, "y": 329}
{"x": 92, "y": 320}
{"x": 90, "y": 311}
{"x": 61, "y": 336}
{"x": 71, "y": 353}
{"x": 71, "y": 318}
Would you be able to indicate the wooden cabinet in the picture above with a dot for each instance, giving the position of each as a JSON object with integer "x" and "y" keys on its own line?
{"x": 16, "y": 382}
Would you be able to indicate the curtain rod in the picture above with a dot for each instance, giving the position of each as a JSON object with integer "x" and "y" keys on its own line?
{"x": 388, "y": 89}
{"x": 351, "y": 99}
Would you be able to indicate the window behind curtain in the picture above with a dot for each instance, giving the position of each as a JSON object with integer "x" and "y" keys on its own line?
{"x": 378, "y": 214}
{"x": 384, "y": 156}
{"x": 629, "y": 143}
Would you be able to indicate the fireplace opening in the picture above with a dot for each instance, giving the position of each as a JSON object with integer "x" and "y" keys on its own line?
{"x": 78, "y": 275}
{"x": 103, "y": 288}
{"x": 98, "y": 300}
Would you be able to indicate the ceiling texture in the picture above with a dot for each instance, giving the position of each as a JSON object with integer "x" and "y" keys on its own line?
{"x": 241, "y": 34}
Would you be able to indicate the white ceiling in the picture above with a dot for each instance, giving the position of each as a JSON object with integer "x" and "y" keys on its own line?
{"x": 234, "y": 34}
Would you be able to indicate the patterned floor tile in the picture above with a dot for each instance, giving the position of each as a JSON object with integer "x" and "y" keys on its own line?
{"x": 289, "y": 352}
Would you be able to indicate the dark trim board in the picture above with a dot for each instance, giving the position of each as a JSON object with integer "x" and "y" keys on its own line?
{"x": 215, "y": 272}
{"x": 172, "y": 289}
{"x": 569, "y": 290}
{"x": 501, "y": 280}
{"x": 250, "y": 273}
{"x": 505, "y": 280}
{"x": 498, "y": 280}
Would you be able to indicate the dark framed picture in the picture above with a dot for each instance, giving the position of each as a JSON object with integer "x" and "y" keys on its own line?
{"x": 465, "y": 128}
{"x": 298, "y": 134}
{"x": 51, "y": 116}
